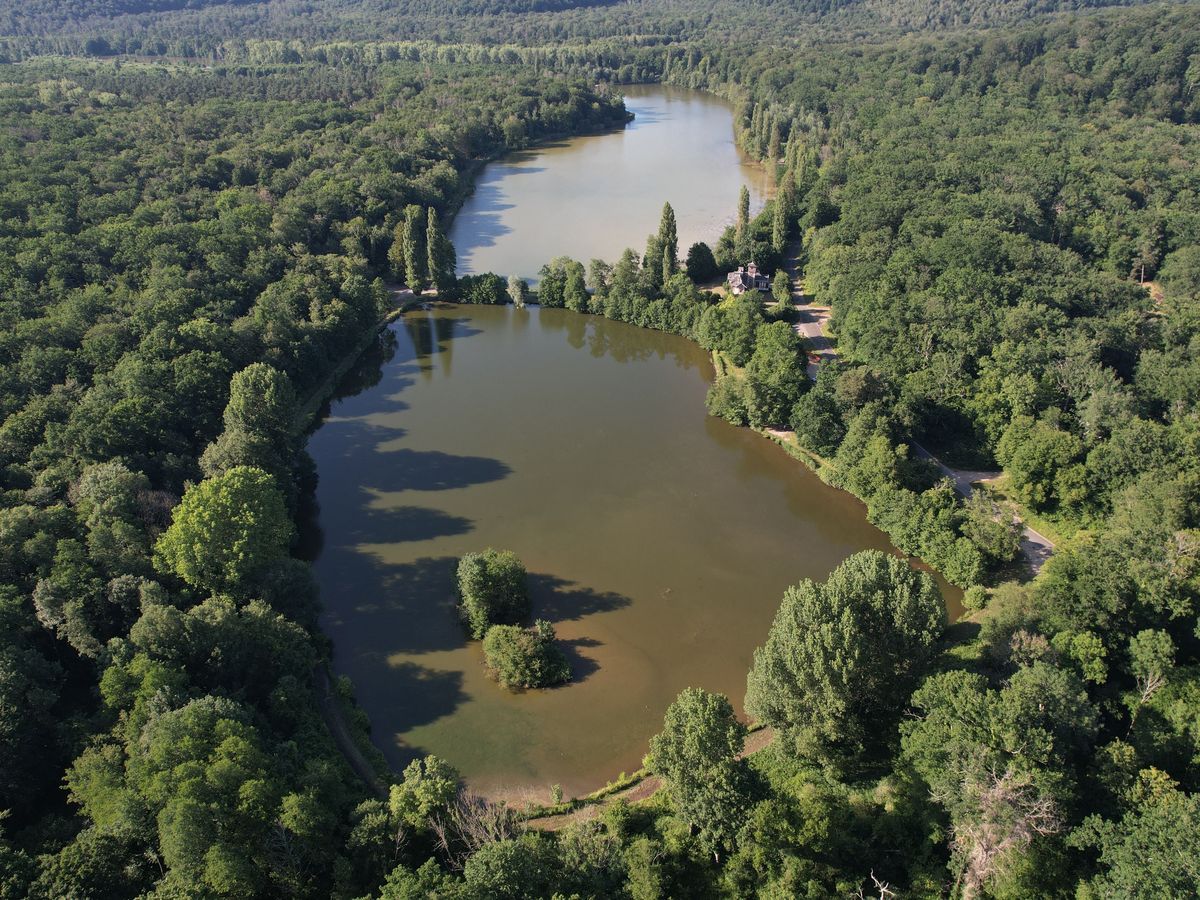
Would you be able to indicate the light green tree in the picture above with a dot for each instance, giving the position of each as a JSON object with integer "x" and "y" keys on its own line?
{"x": 492, "y": 590}
{"x": 226, "y": 530}
{"x": 518, "y": 290}
{"x": 668, "y": 239}
{"x": 428, "y": 785}
{"x": 575, "y": 295}
{"x": 781, "y": 290}
{"x": 696, "y": 754}
{"x": 741, "y": 240}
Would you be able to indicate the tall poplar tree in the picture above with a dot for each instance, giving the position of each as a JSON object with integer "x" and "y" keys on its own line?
{"x": 668, "y": 237}
{"x": 779, "y": 226}
{"x": 416, "y": 262}
{"x": 742, "y": 232}
{"x": 441, "y": 257}
{"x": 652, "y": 264}
{"x": 396, "y": 253}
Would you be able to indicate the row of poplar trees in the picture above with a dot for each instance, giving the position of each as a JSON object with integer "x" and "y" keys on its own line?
{"x": 421, "y": 255}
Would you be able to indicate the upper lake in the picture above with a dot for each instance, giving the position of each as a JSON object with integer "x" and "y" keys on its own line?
{"x": 594, "y": 196}
{"x": 659, "y": 540}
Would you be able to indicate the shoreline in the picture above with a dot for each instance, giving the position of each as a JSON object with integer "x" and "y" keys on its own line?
{"x": 358, "y": 750}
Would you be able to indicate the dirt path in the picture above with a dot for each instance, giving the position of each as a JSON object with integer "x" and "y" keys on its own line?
{"x": 1036, "y": 548}
{"x": 643, "y": 790}
{"x": 331, "y": 712}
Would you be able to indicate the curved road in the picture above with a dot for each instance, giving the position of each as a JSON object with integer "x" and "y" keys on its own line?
{"x": 1036, "y": 548}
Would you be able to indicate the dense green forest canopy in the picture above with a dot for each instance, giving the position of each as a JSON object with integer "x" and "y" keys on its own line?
{"x": 214, "y": 27}
{"x": 1005, "y": 221}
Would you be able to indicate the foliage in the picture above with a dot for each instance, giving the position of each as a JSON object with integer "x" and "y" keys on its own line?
{"x": 700, "y": 265}
{"x": 486, "y": 288}
{"x": 226, "y": 532}
{"x": 696, "y": 754}
{"x": 525, "y": 657}
{"x": 731, "y": 327}
{"x": 491, "y": 590}
{"x": 1154, "y": 851}
{"x": 427, "y": 788}
{"x": 775, "y": 375}
{"x": 842, "y": 656}
{"x": 189, "y": 247}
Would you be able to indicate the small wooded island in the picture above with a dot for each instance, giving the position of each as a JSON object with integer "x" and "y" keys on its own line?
{"x": 494, "y": 602}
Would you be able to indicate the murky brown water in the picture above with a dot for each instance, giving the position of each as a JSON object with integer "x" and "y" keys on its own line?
{"x": 659, "y": 540}
{"x": 594, "y": 196}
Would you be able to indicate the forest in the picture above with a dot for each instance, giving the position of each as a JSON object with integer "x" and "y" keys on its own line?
{"x": 204, "y": 209}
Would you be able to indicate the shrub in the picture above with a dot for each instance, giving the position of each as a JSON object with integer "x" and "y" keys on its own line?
{"x": 975, "y": 597}
{"x": 525, "y": 657}
{"x": 726, "y": 399}
{"x": 491, "y": 590}
{"x": 487, "y": 289}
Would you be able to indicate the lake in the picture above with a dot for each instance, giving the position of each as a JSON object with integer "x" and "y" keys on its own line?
{"x": 659, "y": 540}
{"x": 594, "y": 196}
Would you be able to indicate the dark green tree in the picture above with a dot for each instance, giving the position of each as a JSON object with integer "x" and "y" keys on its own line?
{"x": 442, "y": 260}
{"x": 701, "y": 265}
{"x": 492, "y": 590}
{"x": 522, "y": 658}
{"x": 843, "y": 656}
{"x": 696, "y": 754}
{"x": 775, "y": 374}
{"x": 414, "y": 248}
{"x": 260, "y": 425}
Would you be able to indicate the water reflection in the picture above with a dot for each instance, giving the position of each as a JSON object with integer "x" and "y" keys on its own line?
{"x": 593, "y": 196}
{"x": 659, "y": 540}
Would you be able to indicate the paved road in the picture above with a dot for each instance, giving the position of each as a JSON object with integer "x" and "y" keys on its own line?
{"x": 1035, "y": 546}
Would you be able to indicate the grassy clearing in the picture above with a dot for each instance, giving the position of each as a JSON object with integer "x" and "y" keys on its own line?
{"x": 1055, "y": 527}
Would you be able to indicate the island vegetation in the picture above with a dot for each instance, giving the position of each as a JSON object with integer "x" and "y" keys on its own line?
{"x": 199, "y": 221}
{"x": 494, "y": 604}
{"x": 521, "y": 658}
{"x": 492, "y": 590}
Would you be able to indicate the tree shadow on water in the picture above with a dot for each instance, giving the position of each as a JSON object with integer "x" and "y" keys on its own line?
{"x": 407, "y": 696}
{"x": 433, "y": 470}
{"x": 581, "y": 666}
{"x": 379, "y": 615}
{"x": 404, "y": 524}
{"x": 559, "y": 600}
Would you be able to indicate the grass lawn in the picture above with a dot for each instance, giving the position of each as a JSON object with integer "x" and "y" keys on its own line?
{"x": 1057, "y": 528}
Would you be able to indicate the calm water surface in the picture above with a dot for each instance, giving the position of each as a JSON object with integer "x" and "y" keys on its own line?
{"x": 594, "y": 196}
{"x": 659, "y": 540}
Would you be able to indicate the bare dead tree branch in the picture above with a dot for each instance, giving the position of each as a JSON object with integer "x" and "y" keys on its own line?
{"x": 1004, "y": 812}
{"x": 469, "y": 823}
